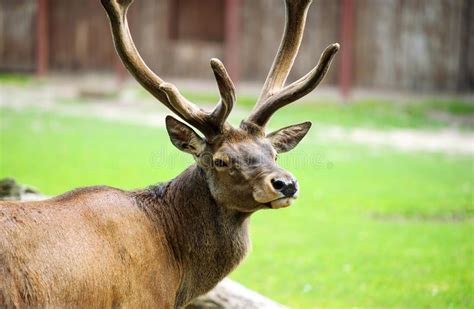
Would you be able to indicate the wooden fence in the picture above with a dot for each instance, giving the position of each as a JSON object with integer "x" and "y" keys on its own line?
{"x": 407, "y": 45}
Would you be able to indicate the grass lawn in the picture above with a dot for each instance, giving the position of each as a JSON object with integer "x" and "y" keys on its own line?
{"x": 373, "y": 227}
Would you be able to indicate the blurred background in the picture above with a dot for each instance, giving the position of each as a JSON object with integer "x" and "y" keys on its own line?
{"x": 386, "y": 213}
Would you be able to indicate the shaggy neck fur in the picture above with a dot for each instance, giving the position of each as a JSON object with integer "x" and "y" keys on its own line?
{"x": 206, "y": 240}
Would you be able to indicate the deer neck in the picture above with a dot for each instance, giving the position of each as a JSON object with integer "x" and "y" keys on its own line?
{"x": 207, "y": 240}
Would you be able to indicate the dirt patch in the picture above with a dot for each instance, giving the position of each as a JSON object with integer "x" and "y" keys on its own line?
{"x": 447, "y": 218}
{"x": 446, "y": 140}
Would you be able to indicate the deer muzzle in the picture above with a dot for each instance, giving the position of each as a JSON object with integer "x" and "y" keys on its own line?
{"x": 278, "y": 190}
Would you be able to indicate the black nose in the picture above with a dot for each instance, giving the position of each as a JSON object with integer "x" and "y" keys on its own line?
{"x": 288, "y": 189}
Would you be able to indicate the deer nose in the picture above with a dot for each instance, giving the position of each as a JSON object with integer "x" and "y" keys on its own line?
{"x": 287, "y": 188}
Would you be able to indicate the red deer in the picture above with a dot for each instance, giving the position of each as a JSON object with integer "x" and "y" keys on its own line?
{"x": 166, "y": 244}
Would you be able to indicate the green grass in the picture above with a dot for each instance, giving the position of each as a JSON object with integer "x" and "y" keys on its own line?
{"x": 15, "y": 79}
{"x": 373, "y": 228}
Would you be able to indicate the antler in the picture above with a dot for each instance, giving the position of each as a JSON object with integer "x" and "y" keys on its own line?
{"x": 275, "y": 94}
{"x": 209, "y": 123}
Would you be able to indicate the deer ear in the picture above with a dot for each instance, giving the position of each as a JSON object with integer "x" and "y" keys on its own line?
{"x": 286, "y": 139}
{"x": 183, "y": 137}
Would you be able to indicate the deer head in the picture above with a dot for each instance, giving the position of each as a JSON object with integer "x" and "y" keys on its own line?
{"x": 239, "y": 163}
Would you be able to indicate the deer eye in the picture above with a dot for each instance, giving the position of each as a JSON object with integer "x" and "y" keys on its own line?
{"x": 220, "y": 163}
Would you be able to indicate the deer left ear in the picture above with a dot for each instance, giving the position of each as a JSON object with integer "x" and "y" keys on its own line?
{"x": 286, "y": 139}
{"x": 183, "y": 137}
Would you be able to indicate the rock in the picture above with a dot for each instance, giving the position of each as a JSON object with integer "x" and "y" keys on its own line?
{"x": 11, "y": 190}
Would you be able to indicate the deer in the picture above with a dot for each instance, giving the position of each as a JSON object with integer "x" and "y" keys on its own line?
{"x": 164, "y": 245}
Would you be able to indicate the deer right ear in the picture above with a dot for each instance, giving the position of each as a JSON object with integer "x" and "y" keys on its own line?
{"x": 183, "y": 137}
{"x": 287, "y": 138}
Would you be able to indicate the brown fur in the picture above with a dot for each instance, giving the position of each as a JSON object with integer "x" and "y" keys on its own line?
{"x": 91, "y": 247}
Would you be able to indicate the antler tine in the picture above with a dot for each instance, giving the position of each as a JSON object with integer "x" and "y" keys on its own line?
{"x": 187, "y": 110}
{"x": 274, "y": 93}
{"x": 226, "y": 90}
{"x": 295, "y": 19}
{"x": 209, "y": 123}
{"x": 296, "y": 90}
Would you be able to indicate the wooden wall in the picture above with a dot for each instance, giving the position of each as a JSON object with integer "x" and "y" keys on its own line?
{"x": 415, "y": 45}
{"x": 79, "y": 36}
{"x": 409, "y": 45}
{"x": 263, "y": 23}
{"x": 17, "y": 44}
